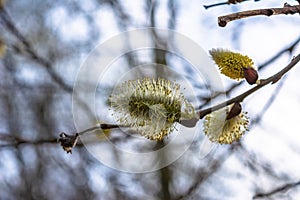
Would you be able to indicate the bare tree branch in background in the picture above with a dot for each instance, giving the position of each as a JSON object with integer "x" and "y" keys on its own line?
{"x": 269, "y": 103}
{"x": 225, "y": 3}
{"x": 6, "y": 19}
{"x": 282, "y": 189}
{"x": 204, "y": 173}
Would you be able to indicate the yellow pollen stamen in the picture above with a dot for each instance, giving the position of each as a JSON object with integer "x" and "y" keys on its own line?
{"x": 223, "y": 131}
{"x": 231, "y": 64}
{"x": 150, "y": 106}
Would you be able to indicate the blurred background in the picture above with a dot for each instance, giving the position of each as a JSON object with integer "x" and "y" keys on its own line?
{"x": 44, "y": 43}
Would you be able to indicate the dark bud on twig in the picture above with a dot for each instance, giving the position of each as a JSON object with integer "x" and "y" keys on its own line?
{"x": 67, "y": 141}
{"x": 236, "y": 109}
{"x": 251, "y": 75}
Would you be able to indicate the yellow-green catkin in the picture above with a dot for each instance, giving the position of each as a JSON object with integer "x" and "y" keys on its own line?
{"x": 225, "y": 131}
{"x": 150, "y": 106}
{"x": 230, "y": 63}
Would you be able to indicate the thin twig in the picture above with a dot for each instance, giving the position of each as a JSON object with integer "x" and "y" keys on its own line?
{"x": 287, "y": 9}
{"x": 272, "y": 79}
{"x": 288, "y": 49}
{"x": 283, "y": 188}
{"x": 101, "y": 126}
{"x": 18, "y": 141}
{"x": 225, "y": 3}
{"x": 215, "y": 5}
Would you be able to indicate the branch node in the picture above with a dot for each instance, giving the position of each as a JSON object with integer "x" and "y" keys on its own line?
{"x": 269, "y": 12}
{"x": 206, "y": 7}
{"x": 68, "y": 141}
{"x": 222, "y": 22}
{"x": 287, "y": 5}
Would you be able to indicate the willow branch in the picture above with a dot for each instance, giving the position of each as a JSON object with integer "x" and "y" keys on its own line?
{"x": 272, "y": 79}
{"x": 69, "y": 141}
{"x": 287, "y": 9}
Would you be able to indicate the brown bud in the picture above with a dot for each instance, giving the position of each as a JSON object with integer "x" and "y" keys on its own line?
{"x": 251, "y": 75}
{"x": 235, "y": 110}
